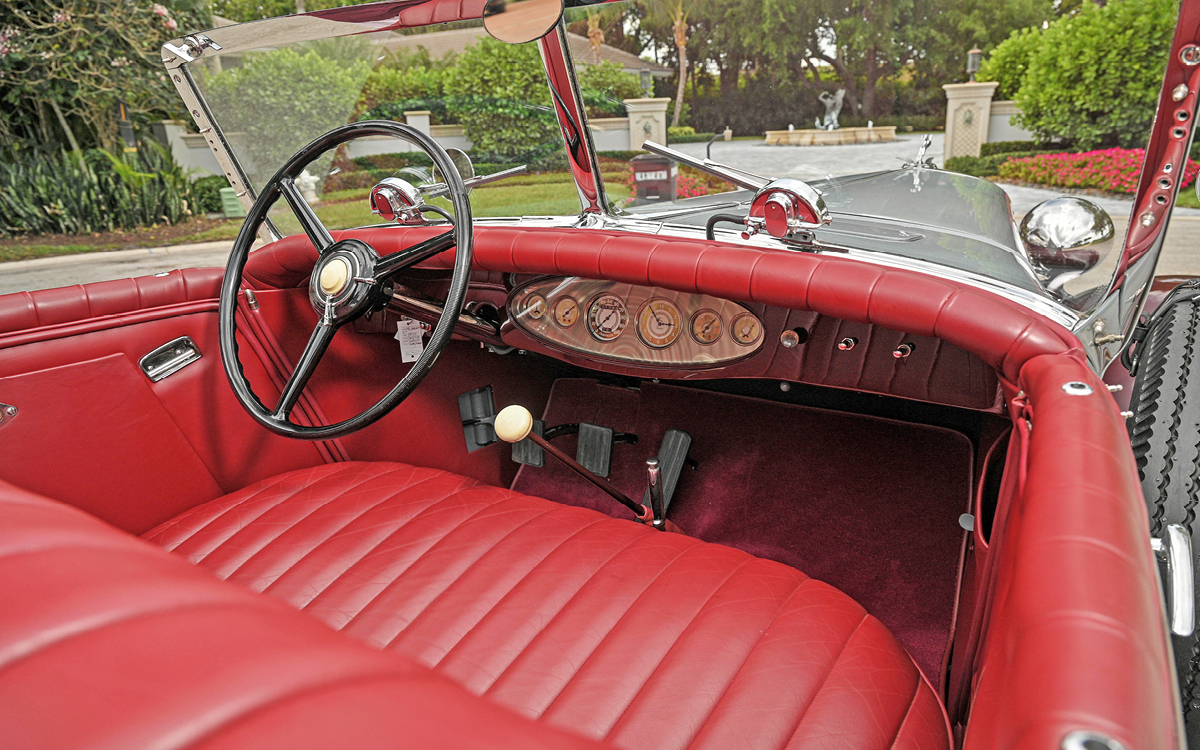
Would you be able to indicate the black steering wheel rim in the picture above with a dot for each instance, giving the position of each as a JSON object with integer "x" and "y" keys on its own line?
{"x": 360, "y": 299}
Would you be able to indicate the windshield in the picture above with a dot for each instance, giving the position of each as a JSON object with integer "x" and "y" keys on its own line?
{"x": 453, "y": 82}
{"x": 759, "y": 109}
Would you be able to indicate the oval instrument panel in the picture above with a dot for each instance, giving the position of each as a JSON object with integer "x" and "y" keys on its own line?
{"x": 635, "y": 324}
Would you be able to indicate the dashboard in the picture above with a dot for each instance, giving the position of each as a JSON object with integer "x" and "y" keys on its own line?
{"x": 637, "y": 324}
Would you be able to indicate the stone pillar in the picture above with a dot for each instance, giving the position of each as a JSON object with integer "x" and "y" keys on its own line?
{"x": 968, "y": 110}
{"x": 647, "y": 121}
{"x": 418, "y": 119}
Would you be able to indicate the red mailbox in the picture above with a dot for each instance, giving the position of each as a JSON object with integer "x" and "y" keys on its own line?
{"x": 654, "y": 178}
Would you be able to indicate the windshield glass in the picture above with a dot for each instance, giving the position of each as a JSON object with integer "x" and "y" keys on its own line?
{"x": 875, "y": 151}
{"x": 452, "y": 81}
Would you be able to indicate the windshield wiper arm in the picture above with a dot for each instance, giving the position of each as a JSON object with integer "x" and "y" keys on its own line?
{"x": 737, "y": 176}
{"x": 439, "y": 188}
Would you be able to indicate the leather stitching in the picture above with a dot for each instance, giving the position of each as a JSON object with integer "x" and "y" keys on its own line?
{"x": 817, "y": 693}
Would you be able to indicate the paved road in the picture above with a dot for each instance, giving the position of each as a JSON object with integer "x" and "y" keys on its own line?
{"x": 1181, "y": 254}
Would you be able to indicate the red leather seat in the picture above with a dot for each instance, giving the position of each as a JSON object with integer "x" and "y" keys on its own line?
{"x": 599, "y": 626}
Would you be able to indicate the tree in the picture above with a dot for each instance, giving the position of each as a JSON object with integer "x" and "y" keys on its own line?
{"x": 1092, "y": 78}
{"x": 64, "y": 65}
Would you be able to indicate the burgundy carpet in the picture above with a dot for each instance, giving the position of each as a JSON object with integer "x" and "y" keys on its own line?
{"x": 868, "y": 505}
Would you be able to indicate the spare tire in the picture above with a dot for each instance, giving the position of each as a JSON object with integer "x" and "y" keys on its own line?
{"x": 1164, "y": 431}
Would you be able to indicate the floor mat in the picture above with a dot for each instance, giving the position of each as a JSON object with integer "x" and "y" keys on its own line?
{"x": 868, "y": 505}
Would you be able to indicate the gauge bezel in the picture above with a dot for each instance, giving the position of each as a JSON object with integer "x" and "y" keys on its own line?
{"x": 733, "y": 329}
{"x": 553, "y": 308}
{"x": 692, "y": 326}
{"x": 637, "y": 320}
{"x": 527, "y": 305}
{"x": 591, "y": 328}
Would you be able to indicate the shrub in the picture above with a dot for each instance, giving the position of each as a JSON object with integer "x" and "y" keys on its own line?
{"x": 1092, "y": 78}
{"x": 681, "y": 131}
{"x": 107, "y": 192}
{"x": 282, "y": 100}
{"x": 1009, "y": 62}
{"x": 515, "y": 116}
{"x": 984, "y": 166}
{"x": 693, "y": 138}
{"x": 1006, "y": 147}
{"x": 1114, "y": 169}
{"x": 605, "y": 87}
{"x": 206, "y": 194}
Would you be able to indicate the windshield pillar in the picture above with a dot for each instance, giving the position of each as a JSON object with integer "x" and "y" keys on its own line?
{"x": 572, "y": 119}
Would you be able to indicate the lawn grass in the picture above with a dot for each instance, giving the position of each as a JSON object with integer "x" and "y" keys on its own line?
{"x": 1187, "y": 199}
{"x": 546, "y": 194}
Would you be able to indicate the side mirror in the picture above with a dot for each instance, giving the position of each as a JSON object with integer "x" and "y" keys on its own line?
{"x": 1060, "y": 234}
{"x": 520, "y": 21}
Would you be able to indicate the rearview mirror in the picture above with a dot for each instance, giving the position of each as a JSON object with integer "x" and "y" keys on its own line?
{"x": 520, "y": 21}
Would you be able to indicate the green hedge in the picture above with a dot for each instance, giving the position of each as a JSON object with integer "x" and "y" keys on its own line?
{"x": 1006, "y": 147}
{"x": 690, "y": 138}
{"x": 206, "y": 194}
{"x": 985, "y": 166}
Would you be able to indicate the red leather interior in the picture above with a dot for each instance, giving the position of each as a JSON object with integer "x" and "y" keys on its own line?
{"x": 22, "y": 311}
{"x": 1002, "y": 333}
{"x": 1075, "y": 638}
{"x": 107, "y": 642}
{"x": 600, "y": 626}
{"x": 1073, "y": 574}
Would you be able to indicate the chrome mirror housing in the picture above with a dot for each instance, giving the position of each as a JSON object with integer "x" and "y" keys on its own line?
{"x": 787, "y": 208}
{"x": 393, "y": 199}
{"x": 1059, "y": 235}
{"x": 521, "y": 21}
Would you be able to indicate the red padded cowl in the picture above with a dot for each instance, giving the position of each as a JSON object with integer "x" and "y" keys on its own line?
{"x": 601, "y": 626}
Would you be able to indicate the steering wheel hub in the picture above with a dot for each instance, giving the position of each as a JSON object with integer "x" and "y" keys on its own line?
{"x": 334, "y": 276}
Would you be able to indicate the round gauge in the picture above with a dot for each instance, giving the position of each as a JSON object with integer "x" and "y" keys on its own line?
{"x": 659, "y": 323}
{"x": 607, "y": 317}
{"x": 534, "y": 305}
{"x": 706, "y": 327}
{"x": 745, "y": 329}
{"x": 566, "y": 311}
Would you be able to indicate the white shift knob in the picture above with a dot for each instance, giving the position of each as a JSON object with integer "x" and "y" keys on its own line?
{"x": 513, "y": 423}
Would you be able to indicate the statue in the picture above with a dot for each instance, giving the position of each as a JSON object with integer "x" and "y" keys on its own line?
{"x": 833, "y": 107}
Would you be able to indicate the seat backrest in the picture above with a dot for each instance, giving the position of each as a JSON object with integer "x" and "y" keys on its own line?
{"x": 107, "y": 641}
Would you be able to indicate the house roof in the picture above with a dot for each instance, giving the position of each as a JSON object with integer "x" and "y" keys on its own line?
{"x": 440, "y": 43}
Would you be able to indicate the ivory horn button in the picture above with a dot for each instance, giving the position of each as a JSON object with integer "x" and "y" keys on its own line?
{"x": 513, "y": 423}
{"x": 334, "y": 276}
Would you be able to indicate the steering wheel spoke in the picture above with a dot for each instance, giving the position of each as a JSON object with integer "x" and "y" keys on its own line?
{"x": 316, "y": 231}
{"x": 321, "y": 337}
{"x": 393, "y": 263}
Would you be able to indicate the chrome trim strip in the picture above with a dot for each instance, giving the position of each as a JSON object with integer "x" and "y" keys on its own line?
{"x": 1175, "y": 549}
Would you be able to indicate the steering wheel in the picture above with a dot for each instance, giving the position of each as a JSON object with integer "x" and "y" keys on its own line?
{"x": 348, "y": 280}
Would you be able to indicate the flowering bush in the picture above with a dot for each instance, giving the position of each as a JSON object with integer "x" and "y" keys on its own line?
{"x": 1115, "y": 170}
{"x": 685, "y": 186}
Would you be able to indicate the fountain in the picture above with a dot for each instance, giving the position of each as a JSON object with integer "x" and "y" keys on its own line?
{"x": 828, "y": 132}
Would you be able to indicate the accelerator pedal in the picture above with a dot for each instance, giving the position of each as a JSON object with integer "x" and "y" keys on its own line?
{"x": 672, "y": 455}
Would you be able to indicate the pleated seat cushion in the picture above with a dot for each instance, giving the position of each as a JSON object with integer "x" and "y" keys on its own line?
{"x": 600, "y": 626}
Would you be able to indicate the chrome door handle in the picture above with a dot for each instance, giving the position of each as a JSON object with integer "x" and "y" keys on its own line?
{"x": 169, "y": 358}
{"x": 1175, "y": 548}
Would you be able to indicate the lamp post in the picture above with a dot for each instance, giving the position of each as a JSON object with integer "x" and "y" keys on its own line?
{"x": 647, "y": 83}
{"x": 974, "y": 58}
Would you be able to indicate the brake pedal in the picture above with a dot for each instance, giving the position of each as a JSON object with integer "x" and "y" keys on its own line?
{"x": 528, "y": 452}
{"x": 672, "y": 455}
{"x": 594, "y": 448}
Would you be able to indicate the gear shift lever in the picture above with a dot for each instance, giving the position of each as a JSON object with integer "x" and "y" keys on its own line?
{"x": 514, "y": 423}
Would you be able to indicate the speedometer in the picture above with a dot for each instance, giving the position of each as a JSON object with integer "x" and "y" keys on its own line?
{"x": 659, "y": 323}
{"x": 607, "y": 317}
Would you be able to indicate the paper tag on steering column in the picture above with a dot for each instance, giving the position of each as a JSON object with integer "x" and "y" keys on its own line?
{"x": 409, "y": 333}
